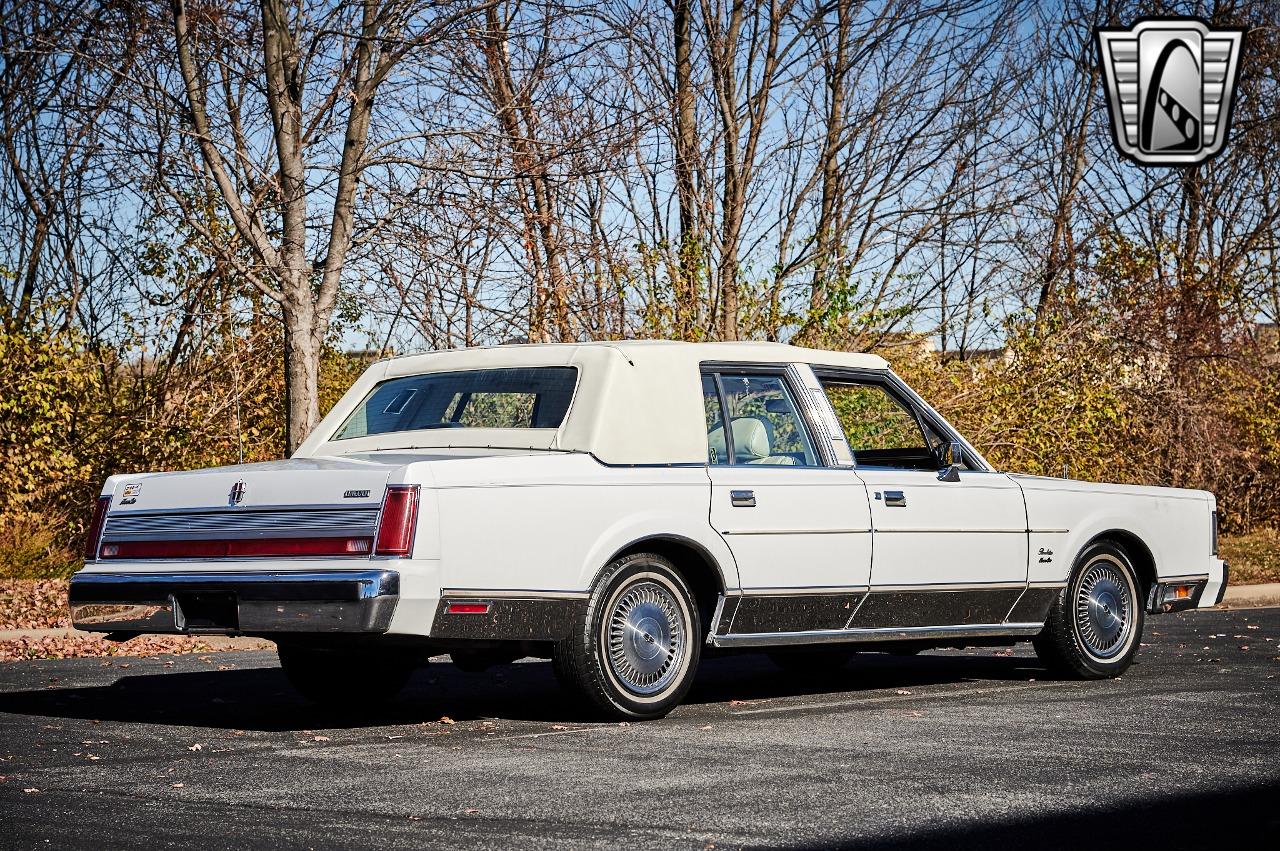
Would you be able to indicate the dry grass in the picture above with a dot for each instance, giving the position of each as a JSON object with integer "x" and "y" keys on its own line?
{"x": 33, "y": 546}
{"x": 1254, "y": 557}
{"x": 34, "y": 604}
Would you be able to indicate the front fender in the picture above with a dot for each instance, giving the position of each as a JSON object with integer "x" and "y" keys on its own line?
{"x": 1064, "y": 517}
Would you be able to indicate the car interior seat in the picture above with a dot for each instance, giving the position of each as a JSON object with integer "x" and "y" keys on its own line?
{"x": 750, "y": 443}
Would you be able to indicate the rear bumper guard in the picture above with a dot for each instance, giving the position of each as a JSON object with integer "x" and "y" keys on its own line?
{"x": 331, "y": 601}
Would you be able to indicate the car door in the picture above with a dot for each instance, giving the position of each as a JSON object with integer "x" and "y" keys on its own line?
{"x": 948, "y": 549}
{"x": 798, "y": 528}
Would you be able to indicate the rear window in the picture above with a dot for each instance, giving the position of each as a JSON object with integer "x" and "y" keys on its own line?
{"x": 536, "y": 397}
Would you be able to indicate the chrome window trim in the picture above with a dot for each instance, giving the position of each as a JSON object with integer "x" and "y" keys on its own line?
{"x": 807, "y": 411}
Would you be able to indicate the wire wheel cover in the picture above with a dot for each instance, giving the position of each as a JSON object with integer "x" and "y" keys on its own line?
{"x": 646, "y": 638}
{"x": 1104, "y": 610}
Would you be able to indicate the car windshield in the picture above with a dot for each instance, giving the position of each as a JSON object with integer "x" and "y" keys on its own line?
{"x": 535, "y": 397}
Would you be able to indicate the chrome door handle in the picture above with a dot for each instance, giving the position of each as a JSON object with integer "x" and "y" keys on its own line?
{"x": 743, "y": 499}
{"x": 895, "y": 498}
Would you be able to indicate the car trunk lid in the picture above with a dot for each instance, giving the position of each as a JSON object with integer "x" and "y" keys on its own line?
{"x": 298, "y": 507}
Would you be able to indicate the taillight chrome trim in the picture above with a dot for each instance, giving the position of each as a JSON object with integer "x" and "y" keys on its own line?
{"x": 96, "y": 524}
{"x": 396, "y": 531}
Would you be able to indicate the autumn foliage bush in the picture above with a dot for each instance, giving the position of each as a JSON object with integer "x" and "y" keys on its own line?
{"x": 1131, "y": 379}
{"x": 71, "y": 415}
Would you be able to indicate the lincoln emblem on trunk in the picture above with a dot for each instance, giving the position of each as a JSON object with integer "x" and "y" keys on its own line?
{"x": 1170, "y": 82}
{"x": 237, "y": 494}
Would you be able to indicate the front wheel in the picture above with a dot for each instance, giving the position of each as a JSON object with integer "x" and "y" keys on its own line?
{"x": 635, "y": 652}
{"x": 344, "y": 679}
{"x": 1095, "y": 624}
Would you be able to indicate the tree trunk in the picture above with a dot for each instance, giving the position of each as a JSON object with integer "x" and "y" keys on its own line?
{"x": 519, "y": 121}
{"x": 306, "y": 289}
{"x": 1062, "y": 244}
{"x": 828, "y": 226}
{"x": 301, "y": 374}
{"x": 687, "y": 318}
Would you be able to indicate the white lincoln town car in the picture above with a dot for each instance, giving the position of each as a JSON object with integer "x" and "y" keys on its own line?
{"x": 622, "y": 508}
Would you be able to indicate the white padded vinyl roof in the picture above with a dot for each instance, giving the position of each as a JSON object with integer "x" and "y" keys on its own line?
{"x": 637, "y": 402}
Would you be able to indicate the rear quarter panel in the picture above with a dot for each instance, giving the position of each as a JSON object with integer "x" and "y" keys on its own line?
{"x": 1064, "y": 516}
{"x": 552, "y": 522}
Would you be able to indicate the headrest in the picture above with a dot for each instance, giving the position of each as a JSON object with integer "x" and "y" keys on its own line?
{"x": 750, "y": 439}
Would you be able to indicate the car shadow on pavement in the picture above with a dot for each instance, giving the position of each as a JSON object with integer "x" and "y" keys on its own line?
{"x": 260, "y": 698}
{"x": 1238, "y": 816}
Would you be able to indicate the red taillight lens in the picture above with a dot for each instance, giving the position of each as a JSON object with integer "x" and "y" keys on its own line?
{"x": 237, "y": 548}
{"x": 399, "y": 516}
{"x": 95, "y": 527}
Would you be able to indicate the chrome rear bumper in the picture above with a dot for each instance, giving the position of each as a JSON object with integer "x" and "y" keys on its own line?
{"x": 331, "y": 601}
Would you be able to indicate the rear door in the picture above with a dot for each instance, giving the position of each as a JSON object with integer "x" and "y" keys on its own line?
{"x": 799, "y": 529}
{"x": 947, "y": 550}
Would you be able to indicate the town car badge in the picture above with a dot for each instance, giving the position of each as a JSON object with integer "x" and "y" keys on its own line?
{"x": 237, "y": 494}
{"x": 1170, "y": 83}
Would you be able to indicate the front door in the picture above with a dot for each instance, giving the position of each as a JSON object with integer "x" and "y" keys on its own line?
{"x": 800, "y": 531}
{"x": 949, "y": 550}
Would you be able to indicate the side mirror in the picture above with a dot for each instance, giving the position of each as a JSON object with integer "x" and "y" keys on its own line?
{"x": 950, "y": 457}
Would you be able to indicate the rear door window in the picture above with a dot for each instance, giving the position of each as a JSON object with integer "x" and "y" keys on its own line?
{"x": 765, "y": 427}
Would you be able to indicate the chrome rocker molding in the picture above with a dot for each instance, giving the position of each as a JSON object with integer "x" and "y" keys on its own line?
{"x": 252, "y": 603}
{"x": 837, "y": 636}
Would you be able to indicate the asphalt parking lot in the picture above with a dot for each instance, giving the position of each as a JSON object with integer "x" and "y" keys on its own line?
{"x": 950, "y": 748}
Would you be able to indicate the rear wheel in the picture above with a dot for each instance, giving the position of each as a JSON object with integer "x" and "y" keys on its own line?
{"x": 635, "y": 652}
{"x": 345, "y": 679}
{"x": 1095, "y": 624}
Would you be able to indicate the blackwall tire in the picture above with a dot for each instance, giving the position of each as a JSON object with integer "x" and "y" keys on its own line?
{"x": 1095, "y": 625}
{"x": 636, "y": 649}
